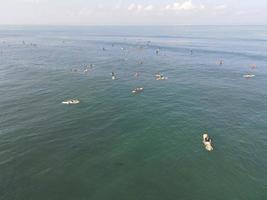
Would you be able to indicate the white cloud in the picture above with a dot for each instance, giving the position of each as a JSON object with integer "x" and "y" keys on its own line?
{"x": 168, "y": 7}
{"x": 201, "y": 7}
{"x": 220, "y": 7}
{"x": 139, "y": 7}
{"x": 186, "y": 6}
{"x": 80, "y": 13}
{"x": 118, "y": 5}
{"x": 32, "y": 1}
{"x": 84, "y": 12}
{"x": 132, "y": 7}
{"x": 241, "y": 12}
{"x": 149, "y": 7}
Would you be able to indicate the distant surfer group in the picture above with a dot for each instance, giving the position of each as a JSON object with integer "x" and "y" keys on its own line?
{"x": 206, "y": 140}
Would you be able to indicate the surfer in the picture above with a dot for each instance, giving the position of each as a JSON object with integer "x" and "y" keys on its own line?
{"x": 137, "y": 90}
{"x": 207, "y": 142}
{"x": 253, "y": 66}
{"x": 113, "y": 76}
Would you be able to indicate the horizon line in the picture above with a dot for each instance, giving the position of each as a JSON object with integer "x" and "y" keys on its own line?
{"x": 130, "y": 25}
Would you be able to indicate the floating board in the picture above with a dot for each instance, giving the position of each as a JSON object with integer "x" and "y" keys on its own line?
{"x": 248, "y": 75}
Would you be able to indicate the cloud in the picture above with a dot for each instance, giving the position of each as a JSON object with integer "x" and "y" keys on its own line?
{"x": 132, "y": 7}
{"x": 220, "y": 7}
{"x": 241, "y": 12}
{"x": 149, "y": 7}
{"x": 168, "y": 7}
{"x": 84, "y": 12}
{"x": 177, "y": 6}
{"x": 185, "y": 6}
{"x": 118, "y": 5}
{"x": 32, "y": 1}
{"x": 139, "y": 7}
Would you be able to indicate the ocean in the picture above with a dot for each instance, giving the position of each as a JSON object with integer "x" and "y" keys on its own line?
{"x": 115, "y": 145}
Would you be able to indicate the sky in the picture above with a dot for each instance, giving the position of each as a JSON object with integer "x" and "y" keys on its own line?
{"x": 133, "y": 12}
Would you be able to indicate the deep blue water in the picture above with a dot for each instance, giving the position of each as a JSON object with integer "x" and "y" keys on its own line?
{"x": 116, "y": 145}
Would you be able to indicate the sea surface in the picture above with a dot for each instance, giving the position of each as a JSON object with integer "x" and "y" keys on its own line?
{"x": 118, "y": 146}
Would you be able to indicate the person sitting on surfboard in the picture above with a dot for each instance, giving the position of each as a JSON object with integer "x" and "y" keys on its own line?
{"x": 207, "y": 139}
{"x": 207, "y": 142}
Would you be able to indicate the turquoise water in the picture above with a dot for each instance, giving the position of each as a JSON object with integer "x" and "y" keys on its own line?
{"x": 115, "y": 145}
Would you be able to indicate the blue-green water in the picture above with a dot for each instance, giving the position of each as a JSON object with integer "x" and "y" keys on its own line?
{"x": 119, "y": 146}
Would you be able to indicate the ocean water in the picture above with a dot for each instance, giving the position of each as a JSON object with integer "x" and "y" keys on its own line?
{"x": 118, "y": 146}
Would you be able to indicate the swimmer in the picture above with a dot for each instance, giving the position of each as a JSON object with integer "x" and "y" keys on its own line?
{"x": 221, "y": 62}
